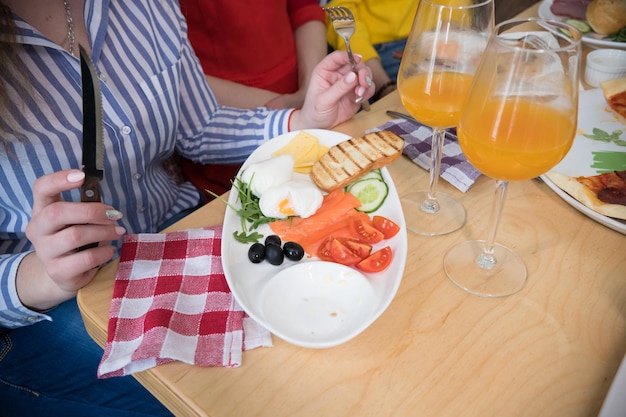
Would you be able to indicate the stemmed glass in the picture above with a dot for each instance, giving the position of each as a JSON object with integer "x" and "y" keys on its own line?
{"x": 519, "y": 121}
{"x": 440, "y": 58}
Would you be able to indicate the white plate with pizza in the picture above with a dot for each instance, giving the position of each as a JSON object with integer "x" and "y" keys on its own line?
{"x": 591, "y": 38}
{"x": 310, "y": 303}
{"x": 599, "y": 147}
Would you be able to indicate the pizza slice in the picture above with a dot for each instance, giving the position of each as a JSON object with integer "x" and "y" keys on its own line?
{"x": 603, "y": 193}
{"x": 615, "y": 93}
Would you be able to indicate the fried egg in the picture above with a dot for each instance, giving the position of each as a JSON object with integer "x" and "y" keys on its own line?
{"x": 268, "y": 173}
{"x": 292, "y": 198}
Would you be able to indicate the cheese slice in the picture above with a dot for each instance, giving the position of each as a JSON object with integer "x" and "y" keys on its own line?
{"x": 302, "y": 144}
{"x": 615, "y": 93}
{"x": 305, "y": 150}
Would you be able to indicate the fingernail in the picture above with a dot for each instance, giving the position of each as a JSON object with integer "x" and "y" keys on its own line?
{"x": 75, "y": 176}
{"x": 120, "y": 230}
{"x": 360, "y": 91}
{"x": 114, "y": 214}
{"x": 350, "y": 77}
{"x": 368, "y": 80}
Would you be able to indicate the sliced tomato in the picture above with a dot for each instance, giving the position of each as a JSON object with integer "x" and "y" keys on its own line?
{"x": 388, "y": 228}
{"x": 323, "y": 252}
{"x": 360, "y": 249}
{"x": 377, "y": 261}
{"x": 342, "y": 254}
{"x": 366, "y": 232}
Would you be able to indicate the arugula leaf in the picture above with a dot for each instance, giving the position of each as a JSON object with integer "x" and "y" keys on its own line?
{"x": 247, "y": 238}
{"x": 250, "y": 213}
{"x": 619, "y": 36}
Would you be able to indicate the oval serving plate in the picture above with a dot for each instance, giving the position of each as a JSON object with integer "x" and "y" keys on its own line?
{"x": 251, "y": 283}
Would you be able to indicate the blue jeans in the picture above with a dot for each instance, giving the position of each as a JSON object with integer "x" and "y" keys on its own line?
{"x": 49, "y": 369}
{"x": 385, "y": 51}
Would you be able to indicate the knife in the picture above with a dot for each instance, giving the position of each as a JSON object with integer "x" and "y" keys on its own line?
{"x": 93, "y": 146}
{"x": 402, "y": 116}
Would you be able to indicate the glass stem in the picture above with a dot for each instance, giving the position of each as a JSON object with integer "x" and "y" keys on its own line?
{"x": 430, "y": 205}
{"x": 486, "y": 259}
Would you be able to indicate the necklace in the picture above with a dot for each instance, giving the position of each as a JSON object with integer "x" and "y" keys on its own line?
{"x": 70, "y": 28}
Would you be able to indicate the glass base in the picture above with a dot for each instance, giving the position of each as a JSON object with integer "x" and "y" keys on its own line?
{"x": 448, "y": 216}
{"x": 464, "y": 267}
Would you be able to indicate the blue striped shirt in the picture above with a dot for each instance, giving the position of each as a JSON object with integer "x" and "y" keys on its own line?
{"x": 155, "y": 99}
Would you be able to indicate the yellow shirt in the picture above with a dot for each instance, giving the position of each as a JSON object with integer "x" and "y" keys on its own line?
{"x": 377, "y": 21}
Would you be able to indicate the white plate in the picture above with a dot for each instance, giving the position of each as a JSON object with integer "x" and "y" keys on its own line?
{"x": 593, "y": 112}
{"x": 252, "y": 283}
{"x": 590, "y": 38}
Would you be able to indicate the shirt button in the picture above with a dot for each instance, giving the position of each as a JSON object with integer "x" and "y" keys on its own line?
{"x": 103, "y": 77}
{"x": 137, "y": 176}
{"x": 141, "y": 209}
{"x": 125, "y": 130}
{"x": 32, "y": 319}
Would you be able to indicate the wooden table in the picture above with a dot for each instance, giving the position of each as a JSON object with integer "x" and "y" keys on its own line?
{"x": 550, "y": 350}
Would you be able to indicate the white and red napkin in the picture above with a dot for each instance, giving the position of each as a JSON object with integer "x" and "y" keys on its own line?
{"x": 171, "y": 302}
{"x": 417, "y": 143}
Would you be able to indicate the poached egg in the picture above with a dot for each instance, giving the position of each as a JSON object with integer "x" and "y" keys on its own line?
{"x": 292, "y": 198}
{"x": 268, "y": 173}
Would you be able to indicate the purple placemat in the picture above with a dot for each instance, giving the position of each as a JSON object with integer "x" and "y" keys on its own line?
{"x": 417, "y": 143}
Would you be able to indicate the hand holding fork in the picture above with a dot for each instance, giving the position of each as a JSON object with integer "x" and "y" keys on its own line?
{"x": 344, "y": 25}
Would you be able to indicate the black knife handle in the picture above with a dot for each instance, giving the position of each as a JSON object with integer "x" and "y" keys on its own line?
{"x": 90, "y": 193}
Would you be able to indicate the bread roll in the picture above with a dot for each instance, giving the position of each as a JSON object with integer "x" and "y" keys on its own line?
{"x": 606, "y": 16}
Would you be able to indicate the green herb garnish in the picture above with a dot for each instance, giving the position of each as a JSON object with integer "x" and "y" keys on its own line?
{"x": 603, "y": 136}
{"x": 250, "y": 213}
{"x": 619, "y": 36}
{"x": 242, "y": 237}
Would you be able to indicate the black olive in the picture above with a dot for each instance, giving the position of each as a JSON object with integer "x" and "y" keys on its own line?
{"x": 273, "y": 240}
{"x": 274, "y": 254}
{"x": 293, "y": 251}
{"x": 256, "y": 253}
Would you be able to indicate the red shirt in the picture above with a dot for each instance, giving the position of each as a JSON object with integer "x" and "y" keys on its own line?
{"x": 249, "y": 41}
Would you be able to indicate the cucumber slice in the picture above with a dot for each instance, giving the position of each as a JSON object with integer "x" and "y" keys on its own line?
{"x": 579, "y": 24}
{"x": 374, "y": 174}
{"x": 371, "y": 193}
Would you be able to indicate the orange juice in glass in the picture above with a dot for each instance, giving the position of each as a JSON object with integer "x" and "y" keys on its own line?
{"x": 519, "y": 121}
{"x": 442, "y": 53}
{"x": 517, "y": 138}
{"x": 436, "y": 99}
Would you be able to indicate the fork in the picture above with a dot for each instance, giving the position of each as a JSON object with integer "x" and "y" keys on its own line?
{"x": 535, "y": 41}
{"x": 344, "y": 25}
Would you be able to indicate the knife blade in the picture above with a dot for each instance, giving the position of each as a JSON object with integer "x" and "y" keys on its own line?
{"x": 401, "y": 116}
{"x": 93, "y": 132}
{"x": 93, "y": 146}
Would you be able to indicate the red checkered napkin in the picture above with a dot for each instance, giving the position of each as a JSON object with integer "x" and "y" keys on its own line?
{"x": 171, "y": 302}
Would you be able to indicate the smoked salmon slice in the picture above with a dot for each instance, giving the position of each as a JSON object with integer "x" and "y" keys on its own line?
{"x": 334, "y": 217}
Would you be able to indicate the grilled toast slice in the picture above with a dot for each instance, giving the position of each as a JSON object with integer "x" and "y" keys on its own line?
{"x": 350, "y": 159}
